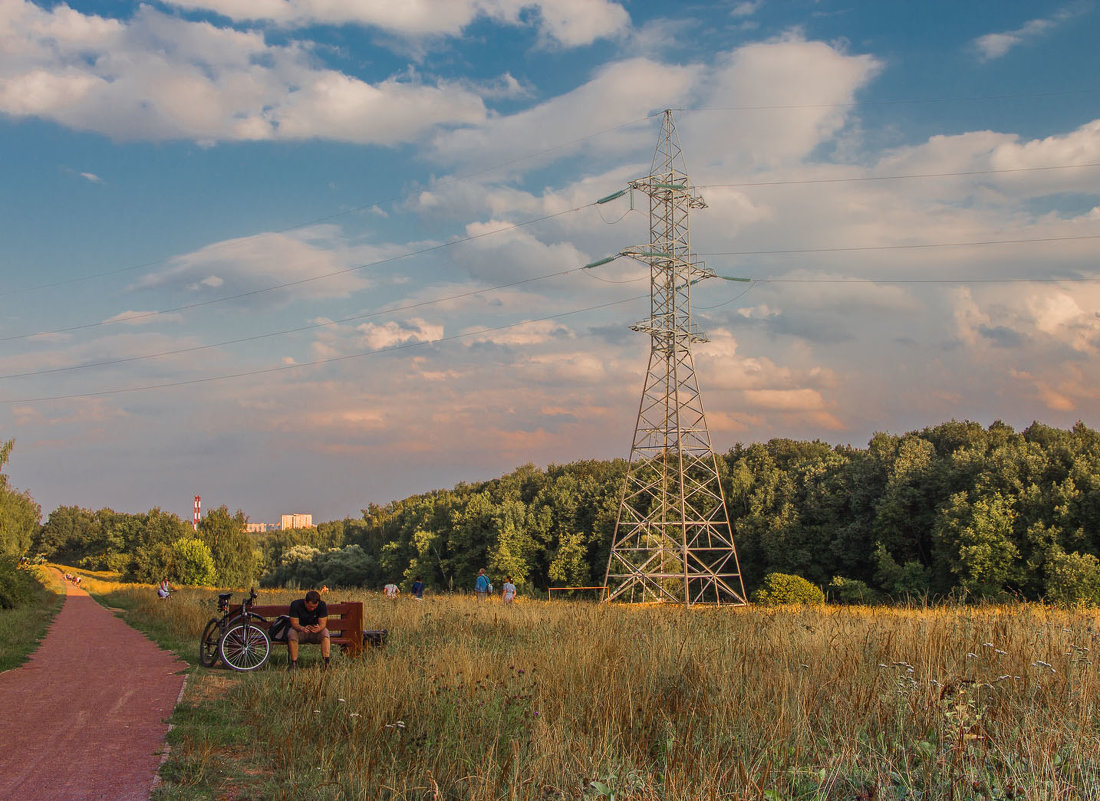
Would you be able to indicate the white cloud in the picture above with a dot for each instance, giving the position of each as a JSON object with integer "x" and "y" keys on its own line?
{"x": 513, "y": 254}
{"x": 814, "y": 83}
{"x": 142, "y": 318}
{"x": 156, "y": 77}
{"x": 569, "y": 23}
{"x": 336, "y": 340}
{"x": 533, "y": 333}
{"x": 622, "y": 91}
{"x": 995, "y": 45}
{"x": 309, "y": 263}
{"x": 746, "y": 9}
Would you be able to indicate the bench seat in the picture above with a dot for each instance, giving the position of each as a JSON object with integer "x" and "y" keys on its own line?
{"x": 345, "y": 622}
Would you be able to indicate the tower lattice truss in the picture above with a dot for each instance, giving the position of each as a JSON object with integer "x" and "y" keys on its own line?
{"x": 673, "y": 540}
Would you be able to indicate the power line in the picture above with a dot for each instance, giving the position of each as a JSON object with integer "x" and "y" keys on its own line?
{"x": 319, "y": 362}
{"x": 899, "y": 177}
{"x": 285, "y": 331}
{"x": 886, "y": 102}
{"x": 299, "y": 282}
{"x": 335, "y": 215}
{"x": 901, "y": 247}
{"x": 1025, "y": 280}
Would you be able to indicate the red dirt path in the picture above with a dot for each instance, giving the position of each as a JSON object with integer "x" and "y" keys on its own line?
{"x": 85, "y": 717}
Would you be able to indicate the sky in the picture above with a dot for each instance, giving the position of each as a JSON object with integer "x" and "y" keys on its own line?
{"x": 307, "y": 255}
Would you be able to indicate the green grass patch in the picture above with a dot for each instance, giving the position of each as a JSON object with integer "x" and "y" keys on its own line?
{"x": 23, "y": 627}
{"x": 211, "y": 753}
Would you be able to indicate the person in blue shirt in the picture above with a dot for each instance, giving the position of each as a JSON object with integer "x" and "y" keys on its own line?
{"x": 418, "y": 589}
{"x": 482, "y": 585}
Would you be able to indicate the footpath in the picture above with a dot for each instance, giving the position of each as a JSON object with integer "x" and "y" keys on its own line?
{"x": 85, "y": 718}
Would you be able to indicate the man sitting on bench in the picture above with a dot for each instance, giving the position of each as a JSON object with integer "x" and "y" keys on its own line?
{"x": 309, "y": 624}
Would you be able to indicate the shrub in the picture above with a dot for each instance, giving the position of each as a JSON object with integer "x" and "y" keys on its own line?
{"x": 850, "y": 591}
{"x": 783, "y": 588}
{"x": 17, "y": 587}
{"x": 193, "y": 563}
{"x": 1073, "y": 579}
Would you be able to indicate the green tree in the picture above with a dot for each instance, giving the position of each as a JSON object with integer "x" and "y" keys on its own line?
{"x": 67, "y": 535}
{"x": 1073, "y": 579}
{"x": 976, "y": 540}
{"x": 19, "y": 514}
{"x": 192, "y": 562}
{"x": 514, "y": 547}
{"x": 570, "y": 566}
{"x": 236, "y": 560}
{"x": 850, "y": 591}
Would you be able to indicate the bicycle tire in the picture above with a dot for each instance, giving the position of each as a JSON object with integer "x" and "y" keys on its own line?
{"x": 245, "y": 648}
{"x": 208, "y": 645}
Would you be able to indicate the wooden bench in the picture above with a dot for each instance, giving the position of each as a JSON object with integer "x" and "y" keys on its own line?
{"x": 345, "y": 623}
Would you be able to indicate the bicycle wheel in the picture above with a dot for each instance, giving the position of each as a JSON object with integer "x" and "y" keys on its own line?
{"x": 208, "y": 645}
{"x": 245, "y": 647}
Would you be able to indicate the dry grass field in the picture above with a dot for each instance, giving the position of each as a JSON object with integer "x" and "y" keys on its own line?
{"x": 566, "y": 700}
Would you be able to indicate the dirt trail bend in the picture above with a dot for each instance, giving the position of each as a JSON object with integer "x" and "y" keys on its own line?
{"x": 85, "y": 717}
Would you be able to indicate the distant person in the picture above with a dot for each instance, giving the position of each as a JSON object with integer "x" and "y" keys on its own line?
{"x": 418, "y": 589}
{"x": 165, "y": 589}
{"x": 308, "y": 624}
{"x": 391, "y": 590}
{"x": 509, "y": 593}
{"x": 482, "y": 587}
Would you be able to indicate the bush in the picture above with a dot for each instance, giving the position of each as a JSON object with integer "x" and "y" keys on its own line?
{"x": 1073, "y": 579}
{"x": 192, "y": 562}
{"x": 850, "y": 591}
{"x": 17, "y": 587}
{"x": 783, "y": 588}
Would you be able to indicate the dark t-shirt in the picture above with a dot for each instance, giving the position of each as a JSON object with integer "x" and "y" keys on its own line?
{"x": 305, "y": 617}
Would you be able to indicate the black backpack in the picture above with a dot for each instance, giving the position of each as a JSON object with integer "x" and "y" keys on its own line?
{"x": 279, "y": 629}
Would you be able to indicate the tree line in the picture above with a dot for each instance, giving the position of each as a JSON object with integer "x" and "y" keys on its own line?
{"x": 954, "y": 509}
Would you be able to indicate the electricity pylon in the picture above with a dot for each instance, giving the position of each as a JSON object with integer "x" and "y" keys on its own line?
{"x": 673, "y": 540}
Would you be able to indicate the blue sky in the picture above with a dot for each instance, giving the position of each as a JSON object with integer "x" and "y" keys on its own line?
{"x": 303, "y": 255}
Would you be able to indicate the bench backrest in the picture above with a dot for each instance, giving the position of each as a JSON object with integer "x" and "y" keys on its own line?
{"x": 345, "y": 617}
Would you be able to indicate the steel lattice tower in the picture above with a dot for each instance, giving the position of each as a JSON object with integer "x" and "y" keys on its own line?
{"x": 673, "y": 540}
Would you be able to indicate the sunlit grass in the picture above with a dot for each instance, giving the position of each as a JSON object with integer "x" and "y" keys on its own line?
{"x": 574, "y": 700}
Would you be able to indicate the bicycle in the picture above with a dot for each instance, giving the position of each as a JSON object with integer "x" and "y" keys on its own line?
{"x": 236, "y": 638}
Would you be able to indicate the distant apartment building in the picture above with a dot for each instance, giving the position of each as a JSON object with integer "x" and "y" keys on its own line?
{"x": 296, "y": 521}
{"x": 258, "y": 528}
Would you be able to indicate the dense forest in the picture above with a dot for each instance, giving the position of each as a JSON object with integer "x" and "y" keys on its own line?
{"x": 952, "y": 510}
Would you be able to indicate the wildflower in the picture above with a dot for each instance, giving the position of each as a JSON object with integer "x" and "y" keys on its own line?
{"x": 987, "y": 645}
{"x": 341, "y": 700}
{"x": 971, "y": 655}
{"x": 999, "y": 652}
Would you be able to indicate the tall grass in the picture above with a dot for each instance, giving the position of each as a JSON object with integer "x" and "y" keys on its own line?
{"x": 572, "y": 700}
